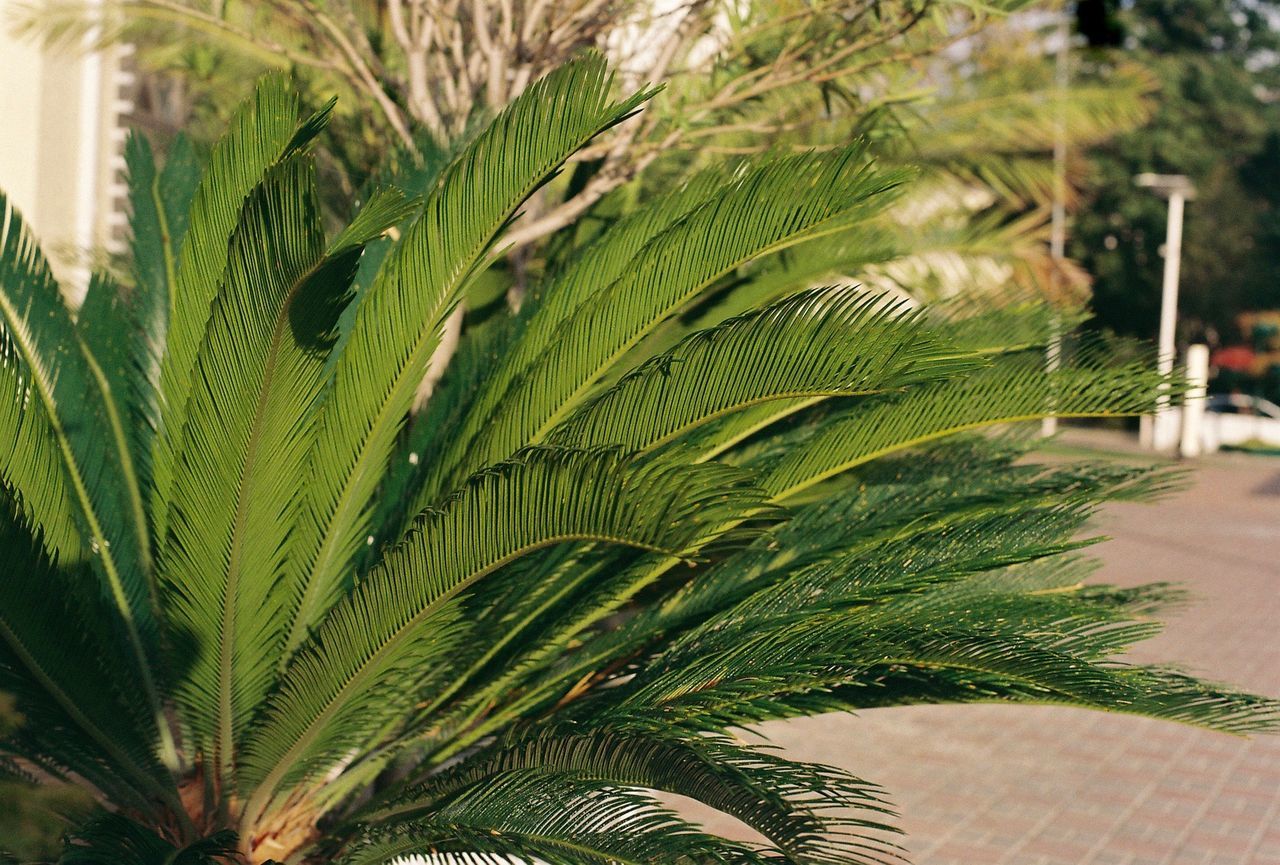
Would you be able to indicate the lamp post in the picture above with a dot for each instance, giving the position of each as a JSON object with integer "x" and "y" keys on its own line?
{"x": 1178, "y": 190}
{"x": 1058, "y": 215}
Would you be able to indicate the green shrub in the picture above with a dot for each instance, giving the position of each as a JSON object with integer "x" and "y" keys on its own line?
{"x": 254, "y": 603}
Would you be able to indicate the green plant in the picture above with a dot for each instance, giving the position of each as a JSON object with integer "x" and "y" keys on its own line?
{"x": 261, "y": 610}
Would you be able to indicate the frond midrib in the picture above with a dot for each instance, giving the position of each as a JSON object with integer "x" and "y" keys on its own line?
{"x": 827, "y": 474}
{"x": 226, "y": 644}
{"x": 265, "y": 790}
{"x": 39, "y": 377}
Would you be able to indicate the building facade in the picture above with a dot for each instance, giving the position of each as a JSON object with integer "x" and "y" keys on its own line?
{"x": 61, "y": 158}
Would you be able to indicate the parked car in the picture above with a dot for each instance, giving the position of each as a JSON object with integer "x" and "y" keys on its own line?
{"x": 1236, "y": 419}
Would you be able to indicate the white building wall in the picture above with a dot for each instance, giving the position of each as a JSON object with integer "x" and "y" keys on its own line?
{"x": 60, "y": 150}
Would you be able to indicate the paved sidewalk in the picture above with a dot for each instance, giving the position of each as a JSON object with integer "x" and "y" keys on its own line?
{"x": 1024, "y": 785}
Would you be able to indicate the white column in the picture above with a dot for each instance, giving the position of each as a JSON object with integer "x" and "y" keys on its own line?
{"x": 1153, "y": 431}
{"x": 1193, "y": 407}
{"x": 88, "y": 193}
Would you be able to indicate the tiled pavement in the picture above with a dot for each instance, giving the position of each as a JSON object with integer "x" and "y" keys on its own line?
{"x": 1022, "y": 785}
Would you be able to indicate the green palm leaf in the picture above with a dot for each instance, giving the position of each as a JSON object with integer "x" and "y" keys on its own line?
{"x": 821, "y": 343}
{"x": 117, "y": 839}
{"x": 265, "y": 130}
{"x": 73, "y": 426}
{"x": 159, "y": 201}
{"x": 1017, "y": 389}
{"x": 597, "y": 265}
{"x": 33, "y": 461}
{"x": 249, "y": 426}
{"x": 352, "y": 673}
{"x": 59, "y": 659}
{"x": 809, "y": 813}
{"x": 554, "y": 818}
{"x": 111, "y": 346}
{"x": 779, "y": 204}
{"x": 397, "y": 327}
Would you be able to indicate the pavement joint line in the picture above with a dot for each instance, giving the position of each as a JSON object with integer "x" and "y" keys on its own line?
{"x": 1224, "y": 776}
{"x": 1212, "y": 558}
{"x": 1269, "y": 819}
{"x": 1051, "y": 815}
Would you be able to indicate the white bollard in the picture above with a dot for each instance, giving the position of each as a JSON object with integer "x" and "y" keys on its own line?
{"x": 1193, "y": 408}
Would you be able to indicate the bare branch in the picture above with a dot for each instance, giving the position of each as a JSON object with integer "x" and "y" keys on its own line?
{"x": 363, "y": 75}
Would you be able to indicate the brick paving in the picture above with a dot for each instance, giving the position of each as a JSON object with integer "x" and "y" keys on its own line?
{"x": 1027, "y": 785}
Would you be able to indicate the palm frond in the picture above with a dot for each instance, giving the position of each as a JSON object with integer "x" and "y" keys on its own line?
{"x": 110, "y": 344}
{"x": 1013, "y": 390}
{"x": 115, "y": 838}
{"x": 809, "y": 813}
{"x": 397, "y": 327}
{"x": 59, "y": 658}
{"x": 243, "y": 450}
{"x": 52, "y": 379}
{"x": 265, "y": 130}
{"x": 821, "y": 343}
{"x": 159, "y": 204}
{"x": 554, "y": 818}
{"x": 776, "y": 205}
{"x": 354, "y": 671}
{"x": 875, "y": 542}
{"x": 596, "y": 266}
{"x": 33, "y": 460}
{"x": 1012, "y": 327}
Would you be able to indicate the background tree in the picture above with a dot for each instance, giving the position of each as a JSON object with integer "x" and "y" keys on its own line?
{"x": 960, "y": 89}
{"x": 1217, "y": 122}
{"x": 738, "y": 76}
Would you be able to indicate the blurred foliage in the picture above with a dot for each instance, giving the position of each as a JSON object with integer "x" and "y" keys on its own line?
{"x": 31, "y": 819}
{"x": 961, "y": 90}
{"x": 1218, "y": 123}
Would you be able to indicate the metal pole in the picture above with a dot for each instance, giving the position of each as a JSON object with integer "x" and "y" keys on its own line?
{"x": 1169, "y": 293}
{"x": 1058, "y": 216}
{"x": 1161, "y": 434}
{"x": 1177, "y": 189}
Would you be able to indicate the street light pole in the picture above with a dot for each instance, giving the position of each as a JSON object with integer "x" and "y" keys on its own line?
{"x": 1169, "y": 288}
{"x": 1178, "y": 189}
{"x": 1058, "y": 215}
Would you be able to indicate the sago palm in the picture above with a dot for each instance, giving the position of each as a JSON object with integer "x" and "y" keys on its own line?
{"x": 261, "y": 610}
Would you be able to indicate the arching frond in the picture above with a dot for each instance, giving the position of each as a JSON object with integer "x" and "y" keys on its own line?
{"x": 809, "y": 813}
{"x": 877, "y": 541}
{"x": 352, "y": 673}
{"x": 597, "y": 266}
{"x": 826, "y": 342}
{"x": 243, "y": 450}
{"x": 159, "y": 204}
{"x": 110, "y": 342}
{"x": 398, "y": 324}
{"x": 33, "y": 460}
{"x": 61, "y": 414}
{"x": 115, "y": 838}
{"x": 1014, "y": 390}
{"x": 554, "y": 818}
{"x": 265, "y": 130}
{"x": 776, "y": 205}
{"x": 59, "y": 658}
